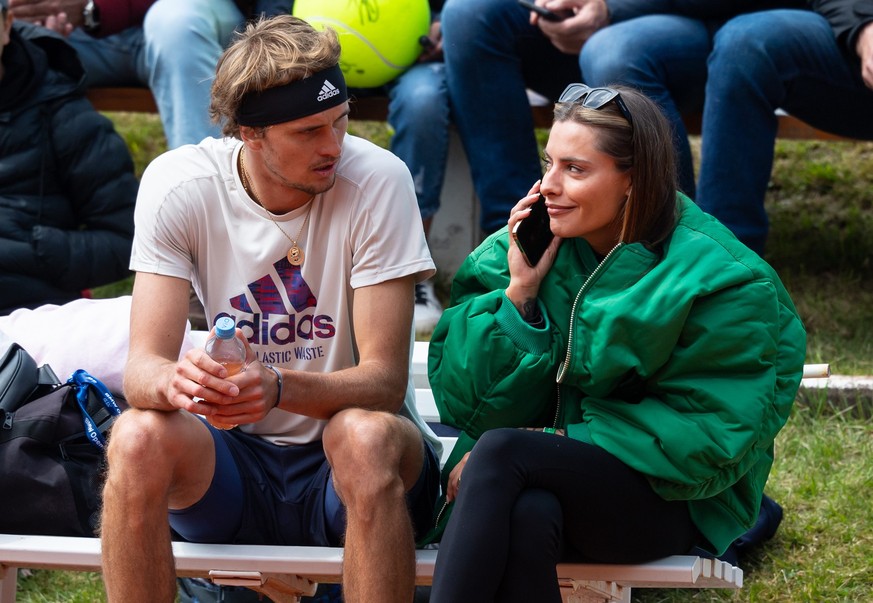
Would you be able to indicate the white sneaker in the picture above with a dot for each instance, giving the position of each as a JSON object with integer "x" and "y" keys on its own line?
{"x": 427, "y": 308}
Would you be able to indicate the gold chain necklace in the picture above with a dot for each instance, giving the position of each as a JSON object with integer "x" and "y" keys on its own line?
{"x": 295, "y": 254}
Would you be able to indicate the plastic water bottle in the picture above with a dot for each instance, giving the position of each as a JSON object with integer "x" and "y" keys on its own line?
{"x": 227, "y": 350}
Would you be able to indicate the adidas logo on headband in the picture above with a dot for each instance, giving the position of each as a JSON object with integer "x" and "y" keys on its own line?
{"x": 327, "y": 90}
{"x": 293, "y": 100}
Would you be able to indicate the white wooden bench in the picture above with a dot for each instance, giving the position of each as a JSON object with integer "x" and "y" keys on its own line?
{"x": 285, "y": 573}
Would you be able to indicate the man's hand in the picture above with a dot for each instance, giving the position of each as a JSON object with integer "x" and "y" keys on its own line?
{"x": 202, "y": 386}
{"x": 59, "y": 24}
{"x": 864, "y": 47}
{"x": 49, "y": 12}
{"x": 432, "y": 44}
{"x": 570, "y": 35}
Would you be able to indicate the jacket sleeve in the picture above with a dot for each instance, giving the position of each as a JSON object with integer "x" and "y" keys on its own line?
{"x": 488, "y": 368}
{"x": 847, "y": 19}
{"x": 95, "y": 171}
{"x": 712, "y": 411}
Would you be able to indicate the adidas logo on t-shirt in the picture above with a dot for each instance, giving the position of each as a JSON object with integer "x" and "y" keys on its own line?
{"x": 327, "y": 90}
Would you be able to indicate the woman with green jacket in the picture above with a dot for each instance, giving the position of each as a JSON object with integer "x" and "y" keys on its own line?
{"x": 651, "y": 357}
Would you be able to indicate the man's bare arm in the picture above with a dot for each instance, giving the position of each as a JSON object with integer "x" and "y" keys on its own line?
{"x": 382, "y": 324}
{"x": 157, "y": 326}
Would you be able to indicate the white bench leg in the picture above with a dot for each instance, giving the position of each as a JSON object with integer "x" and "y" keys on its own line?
{"x": 286, "y": 588}
{"x": 595, "y": 591}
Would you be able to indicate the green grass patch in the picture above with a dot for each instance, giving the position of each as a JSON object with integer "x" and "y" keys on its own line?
{"x": 44, "y": 586}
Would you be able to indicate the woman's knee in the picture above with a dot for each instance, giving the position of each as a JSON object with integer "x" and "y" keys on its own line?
{"x": 495, "y": 444}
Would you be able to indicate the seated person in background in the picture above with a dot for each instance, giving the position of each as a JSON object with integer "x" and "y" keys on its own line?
{"x": 495, "y": 49}
{"x": 625, "y": 391}
{"x": 311, "y": 241}
{"x": 67, "y": 187}
{"x": 811, "y": 64}
{"x": 419, "y": 114}
{"x": 168, "y": 46}
{"x": 173, "y": 47}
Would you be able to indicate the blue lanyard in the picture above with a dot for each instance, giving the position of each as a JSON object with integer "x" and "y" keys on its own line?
{"x": 82, "y": 382}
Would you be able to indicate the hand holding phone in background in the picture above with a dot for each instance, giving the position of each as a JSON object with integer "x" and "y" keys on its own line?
{"x": 545, "y": 13}
{"x": 569, "y": 27}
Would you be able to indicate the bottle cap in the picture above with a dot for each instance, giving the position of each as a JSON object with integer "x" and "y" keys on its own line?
{"x": 224, "y": 327}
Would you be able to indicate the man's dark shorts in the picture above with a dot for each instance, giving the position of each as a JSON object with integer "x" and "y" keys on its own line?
{"x": 267, "y": 494}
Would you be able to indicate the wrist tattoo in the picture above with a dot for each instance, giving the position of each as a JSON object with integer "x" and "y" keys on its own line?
{"x": 530, "y": 312}
{"x": 529, "y": 309}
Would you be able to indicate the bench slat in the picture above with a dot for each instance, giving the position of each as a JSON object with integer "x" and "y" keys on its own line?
{"x": 324, "y": 564}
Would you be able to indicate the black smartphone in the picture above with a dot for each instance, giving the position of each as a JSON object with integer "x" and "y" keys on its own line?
{"x": 533, "y": 234}
{"x": 548, "y": 15}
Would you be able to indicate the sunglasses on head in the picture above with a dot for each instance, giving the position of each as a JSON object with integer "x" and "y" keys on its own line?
{"x": 594, "y": 98}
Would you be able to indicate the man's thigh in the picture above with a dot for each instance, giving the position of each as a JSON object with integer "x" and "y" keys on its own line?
{"x": 116, "y": 60}
{"x": 260, "y": 493}
{"x": 659, "y": 54}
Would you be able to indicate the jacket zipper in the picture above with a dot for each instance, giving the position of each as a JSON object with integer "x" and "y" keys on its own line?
{"x": 566, "y": 364}
{"x": 557, "y": 406}
{"x": 440, "y": 514}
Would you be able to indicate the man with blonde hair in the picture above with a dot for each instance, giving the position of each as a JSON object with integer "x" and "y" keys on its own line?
{"x": 311, "y": 241}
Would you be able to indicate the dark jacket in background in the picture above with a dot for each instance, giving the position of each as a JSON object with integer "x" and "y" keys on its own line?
{"x": 847, "y": 19}
{"x": 67, "y": 187}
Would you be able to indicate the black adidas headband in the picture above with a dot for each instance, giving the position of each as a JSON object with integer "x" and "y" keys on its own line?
{"x": 300, "y": 98}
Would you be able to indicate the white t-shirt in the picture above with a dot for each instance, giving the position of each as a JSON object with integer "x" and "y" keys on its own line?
{"x": 194, "y": 221}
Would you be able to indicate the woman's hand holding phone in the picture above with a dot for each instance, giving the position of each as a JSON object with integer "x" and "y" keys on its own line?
{"x": 525, "y": 279}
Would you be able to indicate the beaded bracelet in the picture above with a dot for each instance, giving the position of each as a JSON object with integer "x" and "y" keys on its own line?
{"x": 279, "y": 377}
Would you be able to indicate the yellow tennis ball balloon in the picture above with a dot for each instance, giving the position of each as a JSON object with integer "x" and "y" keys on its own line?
{"x": 379, "y": 38}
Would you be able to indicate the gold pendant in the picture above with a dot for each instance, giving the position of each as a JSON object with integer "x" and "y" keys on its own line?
{"x": 295, "y": 256}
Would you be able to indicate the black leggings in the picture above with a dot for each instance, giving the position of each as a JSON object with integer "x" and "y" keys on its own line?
{"x": 530, "y": 499}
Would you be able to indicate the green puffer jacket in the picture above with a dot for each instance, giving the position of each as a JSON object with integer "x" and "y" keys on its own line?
{"x": 683, "y": 363}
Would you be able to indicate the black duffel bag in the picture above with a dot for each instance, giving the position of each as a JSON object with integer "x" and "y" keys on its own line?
{"x": 52, "y": 436}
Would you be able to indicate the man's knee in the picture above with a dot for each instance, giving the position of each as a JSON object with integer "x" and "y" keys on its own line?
{"x": 371, "y": 450}
{"x": 147, "y": 436}
{"x": 640, "y": 50}
{"x": 769, "y": 41}
{"x": 364, "y": 435}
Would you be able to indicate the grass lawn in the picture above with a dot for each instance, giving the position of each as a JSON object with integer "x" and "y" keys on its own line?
{"x": 821, "y": 244}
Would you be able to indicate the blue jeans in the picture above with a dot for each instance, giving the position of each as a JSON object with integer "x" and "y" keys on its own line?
{"x": 492, "y": 54}
{"x": 174, "y": 53}
{"x": 740, "y": 74}
{"x": 419, "y": 114}
{"x": 664, "y": 56}
{"x": 762, "y": 61}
